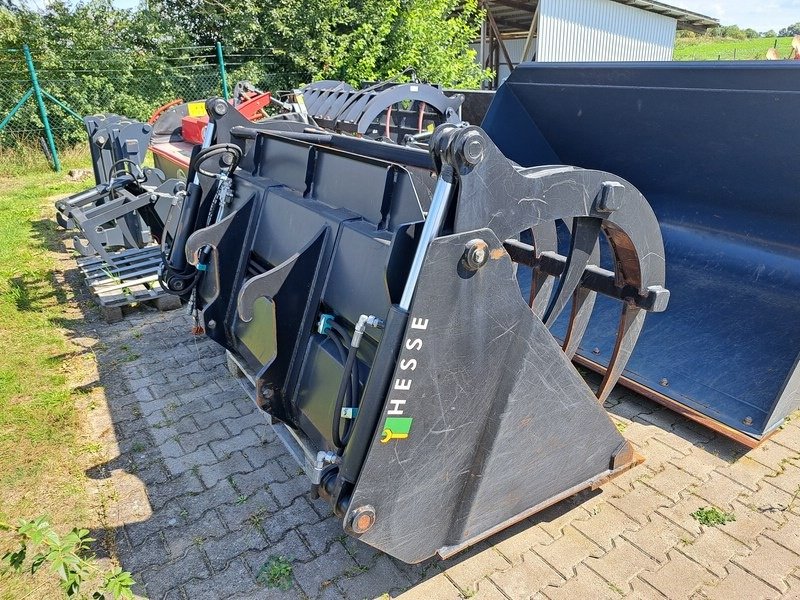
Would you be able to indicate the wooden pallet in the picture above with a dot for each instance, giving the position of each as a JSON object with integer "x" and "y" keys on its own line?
{"x": 132, "y": 280}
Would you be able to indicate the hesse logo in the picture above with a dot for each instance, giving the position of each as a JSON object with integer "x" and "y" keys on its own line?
{"x": 397, "y": 427}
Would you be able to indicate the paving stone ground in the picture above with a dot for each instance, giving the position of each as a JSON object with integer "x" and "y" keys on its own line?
{"x": 200, "y": 495}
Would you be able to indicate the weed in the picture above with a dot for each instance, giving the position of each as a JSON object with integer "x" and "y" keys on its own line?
{"x": 356, "y": 571}
{"x": 711, "y": 516}
{"x": 615, "y": 589}
{"x": 93, "y": 447}
{"x": 67, "y": 557}
{"x": 184, "y": 513}
{"x": 241, "y": 499}
{"x": 621, "y": 427}
{"x": 138, "y": 446}
{"x": 232, "y": 483}
{"x": 277, "y": 573}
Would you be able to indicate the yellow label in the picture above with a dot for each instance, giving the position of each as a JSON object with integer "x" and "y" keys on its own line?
{"x": 196, "y": 109}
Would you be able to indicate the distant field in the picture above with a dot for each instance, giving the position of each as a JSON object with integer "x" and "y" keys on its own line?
{"x": 703, "y": 48}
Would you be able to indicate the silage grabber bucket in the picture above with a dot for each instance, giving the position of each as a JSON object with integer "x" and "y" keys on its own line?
{"x": 455, "y": 412}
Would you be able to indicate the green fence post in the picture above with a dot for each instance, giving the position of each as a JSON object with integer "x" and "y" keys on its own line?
{"x": 222, "y": 75}
{"x": 37, "y": 92}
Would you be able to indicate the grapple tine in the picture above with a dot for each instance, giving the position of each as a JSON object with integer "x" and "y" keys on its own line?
{"x": 585, "y": 234}
{"x": 545, "y": 239}
{"x": 630, "y": 326}
{"x": 582, "y": 306}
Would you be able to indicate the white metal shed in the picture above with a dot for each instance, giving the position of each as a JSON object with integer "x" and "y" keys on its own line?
{"x": 580, "y": 30}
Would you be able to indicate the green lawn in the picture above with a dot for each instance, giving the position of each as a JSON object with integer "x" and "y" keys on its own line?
{"x": 709, "y": 48}
{"x": 41, "y": 470}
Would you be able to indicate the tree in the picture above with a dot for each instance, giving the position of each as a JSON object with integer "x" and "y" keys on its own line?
{"x": 790, "y": 30}
{"x": 769, "y": 34}
{"x": 353, "y": 40}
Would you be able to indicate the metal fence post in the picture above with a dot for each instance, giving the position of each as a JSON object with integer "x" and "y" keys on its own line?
{"x": 37, "y": 92}
{"x": 222, "y": 75}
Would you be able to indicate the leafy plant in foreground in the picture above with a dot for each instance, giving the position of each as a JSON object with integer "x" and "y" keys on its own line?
{"x": 39, "y": 544}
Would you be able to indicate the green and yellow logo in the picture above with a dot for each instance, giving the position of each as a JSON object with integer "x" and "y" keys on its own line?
{"x": 396, "y": 428}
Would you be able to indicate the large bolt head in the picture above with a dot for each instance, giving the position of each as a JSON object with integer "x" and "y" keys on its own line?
{"x": 473, "y": 147}
{"x": 220, "y": 107}
{"x": 611, "y": 197}
{"x": 362, "y": 519}
{"x": 476, "y": 254}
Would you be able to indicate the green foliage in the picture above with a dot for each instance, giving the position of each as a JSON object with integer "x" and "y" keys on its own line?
{"x": 67, "y": 557}
{"x": 98, "y": 58}
{"x": 368, "y": 40}
{"x": 790, "y": 30}
{"x": 710, "y": 516}
{"x": 276, "y": 573}
{"x": 94, "y": 58}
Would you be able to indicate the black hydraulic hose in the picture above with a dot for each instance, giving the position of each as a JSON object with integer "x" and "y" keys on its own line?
{"x": 343, "y": 385}
{"x": 373, "y": 400}
{"x": 354, "y": 382}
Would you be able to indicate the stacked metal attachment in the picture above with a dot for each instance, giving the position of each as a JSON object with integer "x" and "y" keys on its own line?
{"x": 389, "y": 308}
{"x": 121, "y": 216}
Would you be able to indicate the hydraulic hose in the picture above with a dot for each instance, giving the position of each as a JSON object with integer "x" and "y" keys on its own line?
{"x": 346, "y": 382}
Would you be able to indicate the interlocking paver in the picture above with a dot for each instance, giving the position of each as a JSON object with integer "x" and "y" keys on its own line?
{"x": 517, "y": 540}
{"x": 622, "y": 564}
{"x": 315, "y": 574}
{"x": 639, "y": 502}
{"x": 680, "y": 577}
{"x": 207, "y": 495}
{"x": 714, "y": 550}
{"x": 475, "y": 564}
{"x": 738, "y": 583}
{"x": 782, "y": 562}
{"x": 658, "y": 537}
{"x": 585, "y": 584}
{"x": 604, "y": 524}
{"x": 211, "y": 474}
{"x": 568, "y": 550}
{"x": 381, "y": 577}
{"x": 523, "y": 579}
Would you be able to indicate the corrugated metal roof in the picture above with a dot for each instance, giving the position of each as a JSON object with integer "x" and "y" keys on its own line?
{"x": 513, "y": 17}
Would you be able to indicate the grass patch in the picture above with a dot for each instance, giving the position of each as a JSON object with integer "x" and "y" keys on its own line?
{"x": 277, "y": 573}
{"x": 713, "y": 48}
{"x": 40, "y": 449}
{"x": 711, "y": 516}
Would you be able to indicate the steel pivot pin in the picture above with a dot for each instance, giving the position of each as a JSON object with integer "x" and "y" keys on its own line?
{"x": 362, "y": 519}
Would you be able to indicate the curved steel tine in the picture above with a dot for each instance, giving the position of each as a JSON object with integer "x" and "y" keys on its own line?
{"x": 545, "y": 239}
{"x": 585, "y": 233}
{"x": 582, "y": 306}
{"x": 630, "y": 326}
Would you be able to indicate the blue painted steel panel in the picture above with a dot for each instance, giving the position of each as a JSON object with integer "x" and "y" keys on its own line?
{"x": 715, "y": 148}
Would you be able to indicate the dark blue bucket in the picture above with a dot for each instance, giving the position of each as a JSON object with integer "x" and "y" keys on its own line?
{"x": 715, "y": 148}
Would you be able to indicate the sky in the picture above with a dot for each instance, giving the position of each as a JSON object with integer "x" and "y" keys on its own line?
{"x": 761, "y": 15}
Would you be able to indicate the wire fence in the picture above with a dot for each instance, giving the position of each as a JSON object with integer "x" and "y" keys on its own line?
{"x": 123, "y": 81}
{"x": 751, "y": 49}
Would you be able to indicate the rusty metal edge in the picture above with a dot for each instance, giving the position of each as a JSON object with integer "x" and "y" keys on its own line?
{"x": 698, "y": 417}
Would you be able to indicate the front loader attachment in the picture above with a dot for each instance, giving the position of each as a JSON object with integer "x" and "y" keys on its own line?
{"x": 714, "y": 147}
{"x": 389, "y": 307}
